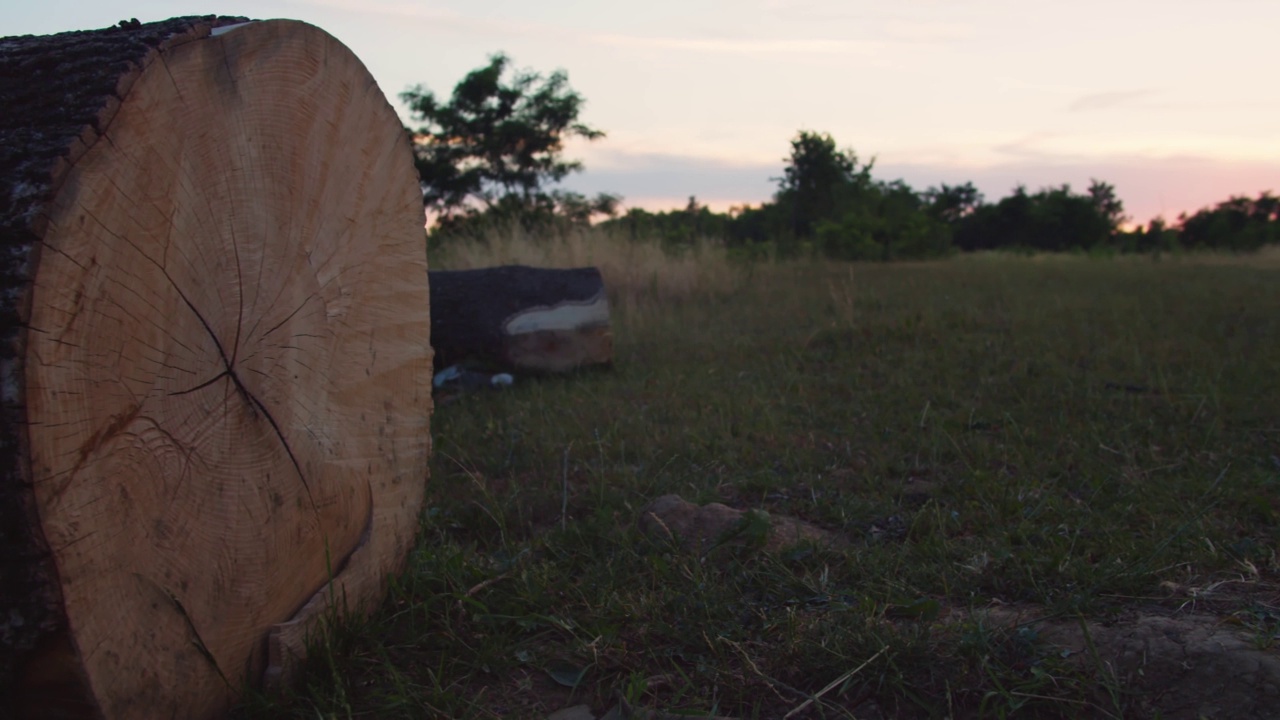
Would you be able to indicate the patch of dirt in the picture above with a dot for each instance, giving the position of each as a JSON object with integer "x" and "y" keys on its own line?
{"x": 916, "y": 492}
{"x": 1179, "y": 667}
{"x": 700, "y": 528}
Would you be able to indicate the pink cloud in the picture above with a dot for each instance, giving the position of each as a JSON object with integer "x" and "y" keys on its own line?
{"x": 1107, "y": 100}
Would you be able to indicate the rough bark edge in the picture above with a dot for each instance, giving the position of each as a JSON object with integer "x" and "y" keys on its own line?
{"x": 288, "y": 641}
{"x": 60, "y": 93}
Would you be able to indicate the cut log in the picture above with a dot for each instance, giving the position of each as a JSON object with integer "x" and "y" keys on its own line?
{"x": 215, "y": 355}
{"x": 520, "y": 319}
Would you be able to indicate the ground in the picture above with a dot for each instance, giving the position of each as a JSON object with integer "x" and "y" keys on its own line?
{"x": 1022, "y": 487}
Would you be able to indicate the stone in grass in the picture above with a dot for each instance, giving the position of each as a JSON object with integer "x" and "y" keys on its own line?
{"x": 702, "y": 528}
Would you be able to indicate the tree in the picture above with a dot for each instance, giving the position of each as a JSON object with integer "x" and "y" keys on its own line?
{"x": 886, "y": 221}
{"x": 499, "y": 138}
{"x": 1237, "y": 224}
{"x": 1054, "y": 219}
{"x": 818, "y": 179}
{"x": 577, "y": 209}
{"x": 1156, "y": 239}
{"x": 1107, "y": 204}
{"x": 951, "y": 203}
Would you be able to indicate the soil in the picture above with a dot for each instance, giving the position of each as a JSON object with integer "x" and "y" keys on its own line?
{"x": 1173, "y": 666}
{"x": 1153, "y": 663}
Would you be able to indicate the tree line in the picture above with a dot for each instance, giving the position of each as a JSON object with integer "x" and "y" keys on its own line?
{"x": 830, "y": 204}
{"x": 492, "y": 153}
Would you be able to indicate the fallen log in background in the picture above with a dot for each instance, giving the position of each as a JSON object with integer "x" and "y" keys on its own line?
{"x": 520, "y": 319}
{"x": 216, "y": 373}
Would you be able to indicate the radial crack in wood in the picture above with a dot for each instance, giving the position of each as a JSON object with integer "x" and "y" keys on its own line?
{"x": 216, "y": 361}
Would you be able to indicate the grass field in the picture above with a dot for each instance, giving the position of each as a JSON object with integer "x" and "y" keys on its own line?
{"x": 1007, "y": 448}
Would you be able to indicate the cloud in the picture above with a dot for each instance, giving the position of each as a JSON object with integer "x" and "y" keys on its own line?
{"x": 740, "y": 46}
{"x": 877, "y": 36}
{"x": 421, "y": 11}
{"x": 1028, "y": 146}
{"x": 1107, "y": 100}
{"x": 637, "y": 176}
{"x": 438, "y": 19}
{"x": 890, "y": 23}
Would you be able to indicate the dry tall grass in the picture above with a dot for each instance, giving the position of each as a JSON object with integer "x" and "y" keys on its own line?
{"x": 636, "y": 273}
{"x": 1267, "y": 257}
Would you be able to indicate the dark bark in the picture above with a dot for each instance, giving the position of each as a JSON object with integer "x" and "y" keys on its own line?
{"x": 471, "y": 311}
{"x": 59, "y": 93}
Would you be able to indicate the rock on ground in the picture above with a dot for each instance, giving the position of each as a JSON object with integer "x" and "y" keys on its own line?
{"x": 701, "y": 528}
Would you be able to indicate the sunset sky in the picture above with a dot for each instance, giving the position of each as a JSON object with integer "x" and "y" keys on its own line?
{"x": 1172, "y": 102}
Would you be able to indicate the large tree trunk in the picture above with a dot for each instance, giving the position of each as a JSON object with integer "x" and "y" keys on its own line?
{"x": 215, "y": 355}
{"x": 520, "y": 319}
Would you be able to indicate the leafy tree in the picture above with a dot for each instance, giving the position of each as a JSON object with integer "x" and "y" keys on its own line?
{"x": 1156, "y": 239}
{"x": 1051, "y": 220}
{"x": 886, "y": 221}
{"x": 498, "y": 142}
{"x": 1107, "y": 204}
{"x": 674, "y": 227}
{"x": 578, "y": 209}
{"x": 951, "y": 203}
{"x": 540, "y": 214}
{"x": 817, "y": 180}
{"x": 1237, "y": 224}
{"x": 757, "y": 231}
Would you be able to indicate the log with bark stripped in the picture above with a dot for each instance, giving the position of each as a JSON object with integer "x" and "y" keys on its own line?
{"x": 214, "y": 346}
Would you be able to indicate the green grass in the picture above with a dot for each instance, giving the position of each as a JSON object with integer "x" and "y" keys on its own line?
{"x": 1058, "y": 433}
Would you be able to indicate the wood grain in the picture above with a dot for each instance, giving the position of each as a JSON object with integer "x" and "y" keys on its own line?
{"x": 227, "y": 373}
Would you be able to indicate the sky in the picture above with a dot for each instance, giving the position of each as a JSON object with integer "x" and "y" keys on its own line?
{"x": 1171, "y": 101}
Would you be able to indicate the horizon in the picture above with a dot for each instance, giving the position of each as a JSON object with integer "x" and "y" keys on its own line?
{"x": 1163, "y": 101}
